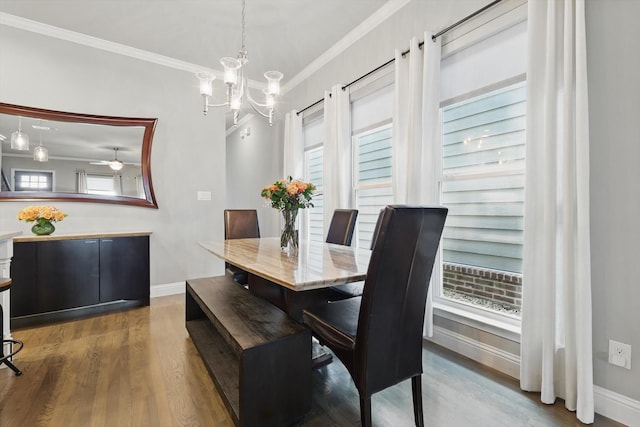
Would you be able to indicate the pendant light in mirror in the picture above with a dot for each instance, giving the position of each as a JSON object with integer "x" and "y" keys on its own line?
{"x": 19, "y": 139}
{"x": 40, "y": 153}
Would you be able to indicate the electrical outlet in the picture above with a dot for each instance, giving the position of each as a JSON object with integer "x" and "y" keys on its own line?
{"x": 620, "y": 354}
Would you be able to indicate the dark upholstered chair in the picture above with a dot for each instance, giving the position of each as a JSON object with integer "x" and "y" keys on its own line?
{"x": 350, "y": 290}
{"x": 240, "y": 224}
{"x": 342, "y": 225}
{"x": 378, "y": 337}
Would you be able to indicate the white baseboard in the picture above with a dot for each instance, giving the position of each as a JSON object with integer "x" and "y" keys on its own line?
{"x": 493, "y": 357}
{"x": 167, "y": 289}
{"x": 606, "y": 402}
{"x": 616, "y": 406}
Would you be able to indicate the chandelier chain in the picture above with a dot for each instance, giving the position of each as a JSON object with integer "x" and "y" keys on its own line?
{"x": 243, "y": 21}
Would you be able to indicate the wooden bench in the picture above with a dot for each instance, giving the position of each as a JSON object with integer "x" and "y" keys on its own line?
{"x": 258, "y": 357}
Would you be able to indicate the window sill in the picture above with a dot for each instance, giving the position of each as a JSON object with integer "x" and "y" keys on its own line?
{"x": 507, "y": 328}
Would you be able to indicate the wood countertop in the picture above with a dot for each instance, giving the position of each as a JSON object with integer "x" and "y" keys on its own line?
{"x": 34, "y": 238}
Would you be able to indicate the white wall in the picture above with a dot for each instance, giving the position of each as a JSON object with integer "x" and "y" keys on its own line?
{"x": 254, "y": 162}
{"x": 188, "y": 151}
{"x": 614, "y": 124}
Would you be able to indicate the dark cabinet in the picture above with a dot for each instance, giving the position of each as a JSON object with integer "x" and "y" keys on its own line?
{"x": 67, "y": 274}
{"x": 24, "y": 294}
{"x": 123, "y": 267}
{"x": 65, "y": 278}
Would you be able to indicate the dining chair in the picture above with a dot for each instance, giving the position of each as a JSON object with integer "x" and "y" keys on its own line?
{"x": 342, "y": 225}
{"x": 354, "y": 289}
{"x": 378, "y": 337}
{"x": 240, "y": 224}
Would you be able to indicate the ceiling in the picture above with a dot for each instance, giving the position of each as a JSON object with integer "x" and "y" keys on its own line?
{"x": 283, "y": 35}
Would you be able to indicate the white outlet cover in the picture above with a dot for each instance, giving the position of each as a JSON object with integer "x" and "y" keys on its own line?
{"x": 620, "y": 354}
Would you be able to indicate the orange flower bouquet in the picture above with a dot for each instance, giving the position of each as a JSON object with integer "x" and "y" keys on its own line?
{"x": 43, "y": 216}
{"x": 288, "y": 196}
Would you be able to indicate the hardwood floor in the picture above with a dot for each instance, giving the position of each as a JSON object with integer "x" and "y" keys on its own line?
{"x": 139, "y": 368}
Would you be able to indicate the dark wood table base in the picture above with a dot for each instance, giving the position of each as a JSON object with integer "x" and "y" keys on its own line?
{"x": 292, "y": 303}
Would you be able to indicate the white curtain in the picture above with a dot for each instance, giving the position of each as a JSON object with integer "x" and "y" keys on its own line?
{"x": 417, "y": 150}
{"x": 556, "y": 343}
{"x": 293, "y": 146}
{"x": 117, "y": 184}
{"x": 336, "y": 173}
{"x": 140, "y": 187}
{"x": 81, "y": 177}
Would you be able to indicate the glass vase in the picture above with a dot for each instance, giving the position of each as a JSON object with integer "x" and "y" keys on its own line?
{"x": 42, "y": 227}
{"x": 289, "y": 235}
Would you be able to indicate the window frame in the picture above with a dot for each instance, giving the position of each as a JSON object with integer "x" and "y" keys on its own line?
{"x": 500, "y": 324}
{"x": 19, "y": 171}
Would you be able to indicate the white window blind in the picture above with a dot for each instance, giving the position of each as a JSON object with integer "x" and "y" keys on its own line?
{"x": 373, "y": 190}
{"x": 371, "y": 119}
{"x": 313, "y": 168}
{"x": 483, "y": 179}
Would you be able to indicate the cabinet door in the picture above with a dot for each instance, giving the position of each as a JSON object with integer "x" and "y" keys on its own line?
{"x": 124, "y": 269}
{"x": 67, "y": 274}
{"x": 24, "y": 297}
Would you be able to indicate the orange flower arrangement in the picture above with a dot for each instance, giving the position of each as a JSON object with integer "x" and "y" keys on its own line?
{"x": 37, "y": 213}
{"x": 289, "y": 194}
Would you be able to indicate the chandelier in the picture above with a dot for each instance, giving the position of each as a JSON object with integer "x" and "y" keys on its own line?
{"x": 235, "y": 78}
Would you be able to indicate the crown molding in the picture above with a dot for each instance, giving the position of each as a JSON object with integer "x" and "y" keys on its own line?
{"x": 117, "y": 48}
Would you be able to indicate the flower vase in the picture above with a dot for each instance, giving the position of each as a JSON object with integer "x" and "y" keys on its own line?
{"x": 43, "y": 227}
{"x": 289, "y": 235}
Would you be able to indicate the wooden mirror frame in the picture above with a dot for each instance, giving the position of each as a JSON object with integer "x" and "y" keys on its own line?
{"x": 149, "y": 125}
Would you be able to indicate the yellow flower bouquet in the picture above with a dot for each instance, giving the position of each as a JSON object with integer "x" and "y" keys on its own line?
{"x": 43, "y": 216}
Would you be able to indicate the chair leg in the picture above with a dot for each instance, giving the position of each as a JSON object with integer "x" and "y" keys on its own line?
{"x": 365, "y": 411}
{"x": 416, "y": 387}
{"x": 13, "y": 367}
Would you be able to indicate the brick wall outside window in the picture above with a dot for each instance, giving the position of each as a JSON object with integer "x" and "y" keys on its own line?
{"x": 498, "y": 289}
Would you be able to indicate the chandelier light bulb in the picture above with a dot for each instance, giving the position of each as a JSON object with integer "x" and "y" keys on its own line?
{"x": 235, "y": 103}
{"x": 269, "y": 99}
{"x": 273, "y": 82}
{"x": 231, "y": 67}
{"x": 206, "y": 83}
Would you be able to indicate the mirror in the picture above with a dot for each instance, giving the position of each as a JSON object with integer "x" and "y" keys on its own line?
{"x": 98, "y": 159}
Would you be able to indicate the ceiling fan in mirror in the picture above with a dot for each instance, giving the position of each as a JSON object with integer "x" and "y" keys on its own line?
{"x": 114, "y": 164}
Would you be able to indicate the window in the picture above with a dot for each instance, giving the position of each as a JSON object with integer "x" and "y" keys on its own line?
{"x": 372, "y": 179}
{"x": 102, "y": 184}
{"x": 313, "y": 134}
{"x": 28, "y": 180}
{"x": 371, "y": 121}
{"x": 483, "y": 186}
{"x": 313, "y": 173}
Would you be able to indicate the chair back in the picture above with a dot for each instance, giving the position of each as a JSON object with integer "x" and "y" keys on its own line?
{"x": 343, "y": 223}
{"x": 376, "y": 229}
{"x": 241, "y": 224}
{"x": 388, "y": 347}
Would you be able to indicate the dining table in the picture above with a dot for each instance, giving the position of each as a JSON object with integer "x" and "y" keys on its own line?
{"x": 296, "y": 279}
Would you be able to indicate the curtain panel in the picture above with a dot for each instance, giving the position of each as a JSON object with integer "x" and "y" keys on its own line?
{"x": 417, "y": 152}
{"x": 336, "y": 173}
{"x": 556, "y": 342}
{"x": 293, "y": 146}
